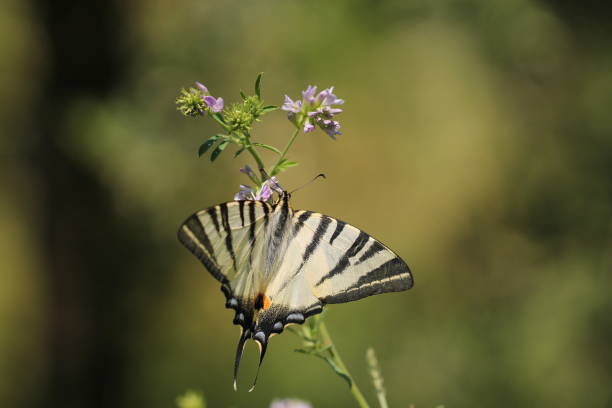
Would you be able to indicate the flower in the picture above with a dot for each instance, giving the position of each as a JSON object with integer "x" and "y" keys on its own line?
{"x": 308, "y": 127}
{"x": 290, "y": 403}
{"x": 248, "y": 171}
{"x": 293, "y": 107}
{"x": 215, "y": 104}
{"x": 245, "y": 193}
{"x": 202, "y": 88}
{"x": 314, "y": 111}
{"x": 268, "y": 188}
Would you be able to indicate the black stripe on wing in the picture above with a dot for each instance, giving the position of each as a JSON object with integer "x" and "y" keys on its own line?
{"x": 300, "y": 222}
{"x": 228, "y": 231}
{"x": 375, "y": 248}
{"x": 194, "y": 238}
{"x": 344, "y": 262}
{"x": 392, "y": 276}
{"x": 312, "y": 245}
{"x": 339, "y": 227}
{"x": 212, "y": 211}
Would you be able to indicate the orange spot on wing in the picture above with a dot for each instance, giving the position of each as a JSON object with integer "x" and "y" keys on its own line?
{"x": 266, "y": 302}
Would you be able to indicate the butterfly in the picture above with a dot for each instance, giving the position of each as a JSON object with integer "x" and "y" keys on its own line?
{"x": 278, "y": 266}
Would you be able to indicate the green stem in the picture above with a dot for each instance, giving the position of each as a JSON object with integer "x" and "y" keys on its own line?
{"x": 260, "y": 164}
{"x": 286, "y": 149}
{"x": 336, "y": 357}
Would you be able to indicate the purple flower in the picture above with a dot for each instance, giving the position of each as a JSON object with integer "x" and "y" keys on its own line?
{"x": 245, "y": 193}
{"x": 308, "y": 127}
{"x": 315, "y": 111}
{"x": 290, "y": 403}
{"x": 268, "y": 188}
{"x": 331, "y": 127}
{"x": 265, "y": 193}
{"x": 273, "y": 183}
{"x": 202, "y": 88}
{"x": 248, "y": 171}
{"x": 291, "y": 106}
{"x": 215, "y": 104}
{"x": 327, "y": 97}
{"x": 308, "y": 94}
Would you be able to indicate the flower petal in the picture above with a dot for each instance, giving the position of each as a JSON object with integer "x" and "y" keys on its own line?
{"x": 215, "y": 104}
{"x": 248, "y": 171}
{"x": 265, "y": 193}
{"x": 201, "y": 87}
{"x": 308, "y": 94}
{"x": 245, "y": 193}
{"x": 291, "y": 105}
{"x": 308, "y": 127}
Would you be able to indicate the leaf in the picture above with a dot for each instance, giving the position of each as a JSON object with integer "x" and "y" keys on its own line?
{"x": 282, "y": 165}
{"x": 208, "y": 144}
{"x": 243, "y": 95}
{"x": 265, "y": 146}
{"x": 285, "y": 164}
{"x": 258, "y": 85}
{"x": 338, "y": 371}
{"x": 269, "y": 108}
{"x": 219, "y": 149}
{"x": 239, "y": 151}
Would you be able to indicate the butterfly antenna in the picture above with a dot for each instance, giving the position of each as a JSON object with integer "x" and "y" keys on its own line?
{"x": 263, "y": 345}
{"x": 321, "y": 175}
{"x": 246, "y": 333}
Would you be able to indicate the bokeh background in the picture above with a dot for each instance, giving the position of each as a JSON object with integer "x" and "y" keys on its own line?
{"x": 477, "y": 143}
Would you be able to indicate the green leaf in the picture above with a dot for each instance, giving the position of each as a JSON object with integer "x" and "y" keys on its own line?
{"x": 239, "y": 151}
{"x": 338, "y": 370}
{"x": 265, "y": 146}
{"x": 208, "y": 144}
{"x": 258, "y": 85}
{"x": 285, "y": 164}
{"x": 219, "y": 149}
{"x": 243, "y": 95}
{"x": 269, "y": 108}
{"x": 282, "y": 165}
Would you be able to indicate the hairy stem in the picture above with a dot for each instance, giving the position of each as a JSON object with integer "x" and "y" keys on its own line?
{"x": 336, "y": 358}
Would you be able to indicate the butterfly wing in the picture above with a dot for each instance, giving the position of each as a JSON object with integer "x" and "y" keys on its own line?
{"x": 229, "y": 240}
{"x": 336, "y": 262}
{"x": 326, "y": 261}
{"x": 302, "y": 262}
{"x": 350, "y": 264}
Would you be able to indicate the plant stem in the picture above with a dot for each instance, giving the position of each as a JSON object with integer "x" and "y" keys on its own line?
{"x": 336, "y": 357}
{"x": 286, "y": 149}
{"x": 377, "y": 378}
{"x": 260, "y": 163}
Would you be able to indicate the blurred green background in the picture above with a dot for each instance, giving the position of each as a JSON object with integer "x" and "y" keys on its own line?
{"x": 477, "y": 143}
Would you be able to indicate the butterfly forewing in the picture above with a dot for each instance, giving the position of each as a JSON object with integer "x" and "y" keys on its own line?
{"x": 342, "y": 263}
{"x": 225, "y": 237}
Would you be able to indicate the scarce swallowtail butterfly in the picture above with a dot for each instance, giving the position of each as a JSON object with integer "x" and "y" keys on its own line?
{"x": 278, "y": 266}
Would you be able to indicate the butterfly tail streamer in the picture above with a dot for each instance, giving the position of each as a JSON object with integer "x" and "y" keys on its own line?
{"x": 244, "y": 336}
{"x": 263, "y": 346}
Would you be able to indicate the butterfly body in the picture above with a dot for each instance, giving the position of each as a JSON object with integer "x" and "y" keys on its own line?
{"x": 278, "y": 266}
